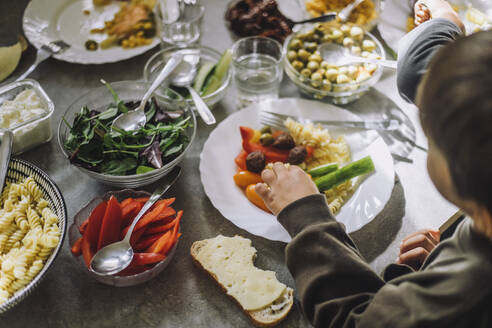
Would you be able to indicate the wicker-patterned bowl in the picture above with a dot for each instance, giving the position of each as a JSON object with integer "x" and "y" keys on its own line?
{"x": 17, "y": 172}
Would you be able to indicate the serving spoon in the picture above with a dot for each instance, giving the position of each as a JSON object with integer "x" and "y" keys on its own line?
{"x": 183, "y": 76}
{"x": 5, "y": 151}
{"x": 135, "y": 119}
{"x": 342, "y": 14}
{"x": 338, "y": 55}
{"x": 115, "y": 257}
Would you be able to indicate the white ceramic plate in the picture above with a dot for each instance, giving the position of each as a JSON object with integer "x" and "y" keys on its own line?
{"x": 217, "y": 168}
{"x": 51, "y": 20}
{"x": 393, "y": 19}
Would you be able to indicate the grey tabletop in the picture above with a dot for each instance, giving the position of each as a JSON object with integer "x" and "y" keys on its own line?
{"x": 182, "y": 296}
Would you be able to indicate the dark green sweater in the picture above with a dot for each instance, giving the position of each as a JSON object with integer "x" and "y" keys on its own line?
{"x": 337, "y": 288}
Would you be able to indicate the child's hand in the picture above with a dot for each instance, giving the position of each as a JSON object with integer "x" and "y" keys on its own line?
{"x": 284, "y": 185}
{"x": 427, "y": 9}
{"x": 415, "y": 248}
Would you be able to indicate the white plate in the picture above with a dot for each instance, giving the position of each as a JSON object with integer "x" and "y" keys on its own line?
{"x": 51, "y": 20}
{"x": 393, "y": 19}
{"x": 217, "y": 168}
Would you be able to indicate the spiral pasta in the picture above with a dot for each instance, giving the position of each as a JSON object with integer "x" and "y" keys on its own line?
{"x": 29, "y": 233}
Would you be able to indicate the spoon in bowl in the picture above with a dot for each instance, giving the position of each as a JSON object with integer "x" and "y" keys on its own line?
{"x": 135, "y": 119}
{"x": 338, "y": 55}
{"x": 115, "y": 257}
{"x": 184, "y": 75}
{"x": 5, "y": 150}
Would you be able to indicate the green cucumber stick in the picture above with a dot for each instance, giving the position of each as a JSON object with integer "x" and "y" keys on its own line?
{"x": 323, "y": 170}
{"x": 215, "y": 79}
{"x": 350, "y": 171}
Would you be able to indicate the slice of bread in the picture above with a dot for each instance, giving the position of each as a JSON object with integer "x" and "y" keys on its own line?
{"x": 266, "y": 316}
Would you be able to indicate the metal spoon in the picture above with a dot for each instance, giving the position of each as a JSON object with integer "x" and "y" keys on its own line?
{"x": 338, "y": 55}
{"x": 117, "y": 256}
{"x": 343, "y": 15}
{"x": 135, "y": 119}
{"x": 5, "y": 150}
{"x": 184, "y": 75}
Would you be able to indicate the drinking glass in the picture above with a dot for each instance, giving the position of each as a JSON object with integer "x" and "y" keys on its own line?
{"x": 257, "y": 69}
{"x": 186, "y": 29}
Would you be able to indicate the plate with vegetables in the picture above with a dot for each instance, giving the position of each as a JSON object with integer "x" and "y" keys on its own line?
{"x": 98, "y": 31}
{"x": 352, "y": 168}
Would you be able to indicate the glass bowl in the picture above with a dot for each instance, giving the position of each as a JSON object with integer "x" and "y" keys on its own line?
{"x": 35, "y": 131}
{"x": 155, "y": 64}
{"x": 117, "y": 281}
{"x": 346, "y": 92}
{"x": 100, "y": 98}
{"x": 19, "y": 170}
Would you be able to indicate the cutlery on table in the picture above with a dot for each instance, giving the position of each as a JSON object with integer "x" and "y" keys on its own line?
{"x": 342, "y": 14}
{"x": 115, "y": 257}
{"x": 5, "y": 151}
{"x": 43, "y": 53}
{"x": 136, "y": 119}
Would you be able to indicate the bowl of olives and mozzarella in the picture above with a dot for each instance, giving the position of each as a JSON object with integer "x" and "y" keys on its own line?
{"x": 321, "y": 79}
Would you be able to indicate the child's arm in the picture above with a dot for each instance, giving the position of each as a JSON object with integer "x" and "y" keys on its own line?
{"x": 417, "y": 47}
{"x": 336, "y": 287}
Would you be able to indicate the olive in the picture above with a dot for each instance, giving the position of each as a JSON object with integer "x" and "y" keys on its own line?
{"x": 316, "y": 58}
{"x": 345, "y": 28}
{"x": 266, "y": 129}
{"x": 313, "y": 66}
{"x": 321, "y": 71}
{"x": 295, "y": 44}
{"x": 266, "y": 139}
{"x": 298, "y": 65}
{"x": 91, "y": 45}
{"x": 326, "y": 86}
{"x": 255, "y": 162}
{"x": 348, "y": 42}
{"x": 297, "y": 155}
{"x": 331, "y": 74}
{"x": 355, "y": 50}
{"x": 316, "y": 77}
{"x": 325, "y": 65}
{"x": 291, "y": 55}
{"x": 309, "y": 35}
{"x": 311, "y": 46}
{"x": 342, "y": 78}
{"x": 303, "y": 55}
{"x": 306, "y": 72}
{"x": 284, "y": 141}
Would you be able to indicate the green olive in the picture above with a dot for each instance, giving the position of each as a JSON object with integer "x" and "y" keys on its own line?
{"x": 266, "y": 139}
{"x": 298, "y": 65}
{"x": 291, "y": 55}
{"x": 313, "y": 66}
{"x": 316, "y": 58}
{"x": 91, "y": 45}
{"x": 303, "y": 55}
{"x": 311, "y": 46}
{"x": 266, "y": 129}
{"x": 326, "y": 86}
{"x": 306, "y": 72}
{"x": 317, "y": 77}
{"x": 321, "y": 71}
{"x": 295, "y": 44}
{"x": 309, "y": 35}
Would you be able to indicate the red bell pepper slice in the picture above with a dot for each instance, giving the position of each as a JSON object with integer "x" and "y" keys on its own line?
{"x": 83, "y": 226}
{"x": 136, "y": 236}
{"x": 142, "y": 199}
{"x": 133, "y": 270}
{"x": 147, "y": 258}
{"x": 111, "y": 224}
{"x": 174, "y": 237}
{"x": 94, "y": 225}
{"x": 241, "y": 160}
{"x": 160, "y": 243}
{"x": 126, "y": 202}
{"x": 87, "y": 252}
{"x": 271, "y": 154}
{"x": 77, "y": 247}
{"x": 146, "y": 241}
{"x": 160, "y": 228}
{"x": 129, "y": 212}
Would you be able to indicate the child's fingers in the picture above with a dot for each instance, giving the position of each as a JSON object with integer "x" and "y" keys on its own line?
{"x": 268, "y": 176}
{"x": 414, "y": 257}
{"x": 280, "y": 170}
{"x": 431, "y": 233}
{"x": 262, "y": 190}
{"x": 416, "y": 242}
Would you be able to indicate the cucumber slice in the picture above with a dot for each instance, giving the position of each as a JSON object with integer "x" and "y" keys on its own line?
{"x": 202, "y": 75}
{"x": 354, "y": 169}
{"x": 215, "y": 80}
{"x": 323, "y": 169}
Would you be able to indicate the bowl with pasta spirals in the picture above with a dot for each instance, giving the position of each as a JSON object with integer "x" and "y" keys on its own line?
{"x": 33, "y": 225}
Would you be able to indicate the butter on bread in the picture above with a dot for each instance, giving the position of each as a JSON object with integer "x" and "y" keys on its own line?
{"x": 229, "y": 261}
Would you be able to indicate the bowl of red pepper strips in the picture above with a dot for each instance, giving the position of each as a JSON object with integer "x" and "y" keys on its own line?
{"x": 106, "y": 219}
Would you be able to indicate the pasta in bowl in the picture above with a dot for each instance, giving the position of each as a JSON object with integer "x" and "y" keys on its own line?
{"x": 32, "y": 228}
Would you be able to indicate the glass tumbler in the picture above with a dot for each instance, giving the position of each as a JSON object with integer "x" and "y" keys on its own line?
{"x": 186, "y": 29}
{"x": 257, "y": 69}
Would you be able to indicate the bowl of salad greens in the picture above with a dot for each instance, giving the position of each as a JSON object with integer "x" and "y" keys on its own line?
{"x": 211, "y": 81}
{"x": 125, "y": 158}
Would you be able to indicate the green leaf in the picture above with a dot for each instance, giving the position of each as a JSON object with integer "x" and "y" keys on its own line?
{"x": 107, "y": 114}
{"x": 151, "y": 112}
{"x": 173, "y": 151}
{"x": 144, "y": 169}
{"x": 119, "y": 167}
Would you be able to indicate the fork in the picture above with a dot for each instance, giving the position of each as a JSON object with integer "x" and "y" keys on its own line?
{"x": 277, "y": 120}
{"x": 46, "y": 51}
